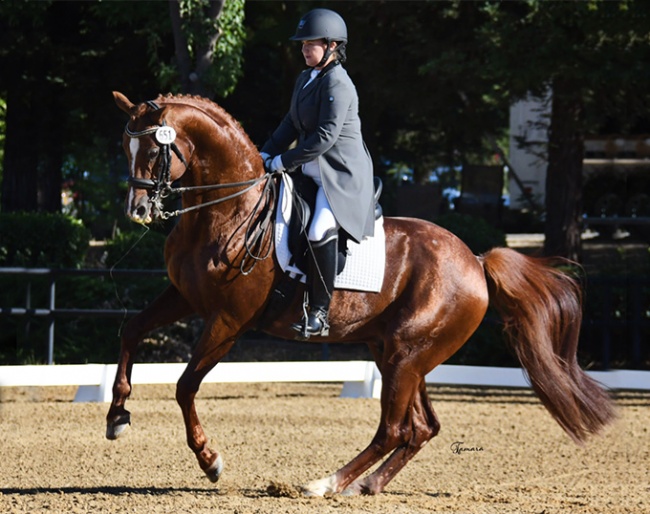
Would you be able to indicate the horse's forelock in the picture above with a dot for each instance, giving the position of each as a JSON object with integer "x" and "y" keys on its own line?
{"x": 138, "y": 117}
{"x": 140, "y": 110}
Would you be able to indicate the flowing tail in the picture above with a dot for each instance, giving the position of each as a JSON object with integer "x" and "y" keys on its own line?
{"x": 542, "y": 311}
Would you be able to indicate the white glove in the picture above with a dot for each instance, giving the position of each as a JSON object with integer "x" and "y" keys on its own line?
{"x": 267, "y": 160}
{"x": 277, "y": 164}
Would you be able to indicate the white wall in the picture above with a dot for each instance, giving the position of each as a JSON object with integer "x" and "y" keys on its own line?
{"x": 528, "y": 120}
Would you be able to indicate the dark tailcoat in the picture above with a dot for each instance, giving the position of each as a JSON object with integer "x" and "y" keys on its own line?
{"x": 324, "y": 119}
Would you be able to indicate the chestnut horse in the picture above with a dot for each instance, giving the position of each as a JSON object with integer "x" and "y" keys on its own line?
{"x": 434, "y": 296}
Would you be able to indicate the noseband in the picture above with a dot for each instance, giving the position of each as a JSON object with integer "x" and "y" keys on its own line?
{"x": 161, "y": 186}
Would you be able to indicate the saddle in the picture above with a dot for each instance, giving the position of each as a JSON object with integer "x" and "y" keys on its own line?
{"x": 304, "y": 199}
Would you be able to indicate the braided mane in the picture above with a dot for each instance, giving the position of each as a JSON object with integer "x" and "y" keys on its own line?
{"x": 213, "y": 110}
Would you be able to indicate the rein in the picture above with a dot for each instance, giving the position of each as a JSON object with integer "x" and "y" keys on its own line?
{"x": 171, "y": 189}
{"x": 161, "y": 187}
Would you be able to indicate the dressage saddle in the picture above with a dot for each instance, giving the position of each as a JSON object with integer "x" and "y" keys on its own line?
{"x": 303, "y": 199}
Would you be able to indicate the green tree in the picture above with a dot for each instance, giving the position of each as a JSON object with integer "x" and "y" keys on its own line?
{"x": 437, "y": 79}
{"x": 208, "y": 39}
{"x": 59, "y": 62}
{"x": 590, "y": 56}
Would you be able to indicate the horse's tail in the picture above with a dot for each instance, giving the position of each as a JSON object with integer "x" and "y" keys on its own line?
{"x": 542, "y": 311}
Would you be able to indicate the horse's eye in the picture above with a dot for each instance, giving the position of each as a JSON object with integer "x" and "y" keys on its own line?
{"x": 153, "y": 153}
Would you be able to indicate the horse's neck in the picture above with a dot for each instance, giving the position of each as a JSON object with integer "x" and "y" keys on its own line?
{"x": 223, "y": 229}
{"x": 224, "y": 209}
{"x": 222, "y": 155}
{"x": 230, "y": 236}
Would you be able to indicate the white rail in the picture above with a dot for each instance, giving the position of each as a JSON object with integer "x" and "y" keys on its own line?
{"x": 360, "y": 379}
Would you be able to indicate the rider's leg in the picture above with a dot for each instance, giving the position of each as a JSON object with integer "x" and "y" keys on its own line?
{"x": 323, "y": 237}
{"x": 321, "y": 284}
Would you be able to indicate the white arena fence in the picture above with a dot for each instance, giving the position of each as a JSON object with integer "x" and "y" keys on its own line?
{"x": 361, "y": 379}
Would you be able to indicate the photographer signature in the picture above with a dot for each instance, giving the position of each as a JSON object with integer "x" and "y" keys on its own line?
{"x": 458, "y": 448}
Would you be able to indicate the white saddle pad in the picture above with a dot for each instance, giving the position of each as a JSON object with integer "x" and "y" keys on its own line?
{"x": 364, "y": 267}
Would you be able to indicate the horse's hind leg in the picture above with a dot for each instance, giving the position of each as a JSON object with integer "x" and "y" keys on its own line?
{"x": 425, "y": 426}
{"x": 407, "y": 417}
{"x": 400, "y": 386}
{"x": 170, "y": 306}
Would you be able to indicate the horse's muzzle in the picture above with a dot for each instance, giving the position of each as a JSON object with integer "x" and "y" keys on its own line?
{"x": 139, "y": 209}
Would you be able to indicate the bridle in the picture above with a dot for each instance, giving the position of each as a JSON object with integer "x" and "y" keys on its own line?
{"x": 162, "y": 186}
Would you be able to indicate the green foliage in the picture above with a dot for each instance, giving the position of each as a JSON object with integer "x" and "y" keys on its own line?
{"x": 79, "y": 339}
{"x": 227, "y": 68}
{"x": 36, "y": 240}
{"x": 42, "y": 240}
{"x": 598, "y": 46}
{"x": 475, "y": 232}
{"x": 215, "y": 45}
{"x": 91, "y": 191}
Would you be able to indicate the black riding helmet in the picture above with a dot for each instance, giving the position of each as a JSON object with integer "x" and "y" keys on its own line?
{"x": 323, "y": 24}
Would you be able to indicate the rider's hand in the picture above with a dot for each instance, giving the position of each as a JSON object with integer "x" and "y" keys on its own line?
{"x": 266, "y": 159}
{"x": 277, "y": 164}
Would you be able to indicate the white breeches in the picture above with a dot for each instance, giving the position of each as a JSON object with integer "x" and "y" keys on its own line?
{"x": 323, "y": 219}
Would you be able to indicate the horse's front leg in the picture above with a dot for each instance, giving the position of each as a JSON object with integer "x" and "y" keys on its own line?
{"x": 169, "y": 307}
{"x": 217, "y": 339}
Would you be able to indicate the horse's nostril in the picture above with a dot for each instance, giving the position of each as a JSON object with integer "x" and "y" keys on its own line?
{"x": 141, "y": 211}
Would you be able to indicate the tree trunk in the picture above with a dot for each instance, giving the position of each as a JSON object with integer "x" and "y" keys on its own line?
{"x": 183, "y": 59}
{"x": 564, "y": 173}
{"x": 190, "y": 72}
{"x": 205, "y": 50}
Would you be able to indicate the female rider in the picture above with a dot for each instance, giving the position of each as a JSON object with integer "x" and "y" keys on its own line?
{"x": 323, "y": 118}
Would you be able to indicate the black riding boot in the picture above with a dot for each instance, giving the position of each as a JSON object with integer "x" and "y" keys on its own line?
{"x": 322, "y": 271}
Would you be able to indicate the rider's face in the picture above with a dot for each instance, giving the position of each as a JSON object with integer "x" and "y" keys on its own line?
{"x": 313, "y": 51}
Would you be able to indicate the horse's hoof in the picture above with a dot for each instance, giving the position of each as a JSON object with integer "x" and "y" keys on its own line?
{"x": 350, "y": 491}
{"x": 215, "y": 470}
{"x": 356, "y": 489}
{"x": 114, "y": 429}
{"x": 320, "y": 487}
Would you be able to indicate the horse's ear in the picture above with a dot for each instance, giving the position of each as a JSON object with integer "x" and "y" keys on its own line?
{"x": 123, "y": 102}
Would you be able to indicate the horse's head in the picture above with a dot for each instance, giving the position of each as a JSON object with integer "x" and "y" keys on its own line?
{"x": 155, "y": 160}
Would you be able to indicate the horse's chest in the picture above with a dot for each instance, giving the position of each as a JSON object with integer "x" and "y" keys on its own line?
{"x": 196, "y": 275}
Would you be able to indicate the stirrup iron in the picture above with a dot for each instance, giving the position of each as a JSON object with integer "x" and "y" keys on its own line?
{"x": 313, "y": 324}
